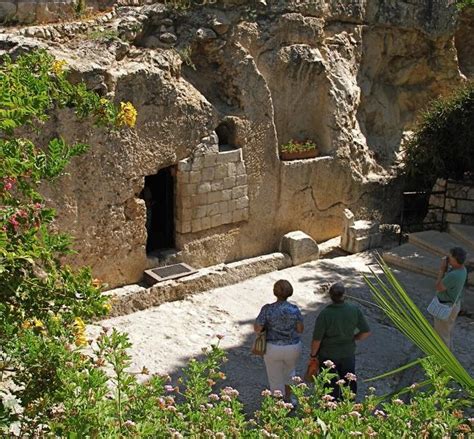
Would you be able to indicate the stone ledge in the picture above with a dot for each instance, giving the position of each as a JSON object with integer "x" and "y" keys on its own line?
{"x": 132, "y": 298}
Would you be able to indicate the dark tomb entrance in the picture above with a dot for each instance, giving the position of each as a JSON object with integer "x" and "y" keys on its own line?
{"x": 158, "y": 194}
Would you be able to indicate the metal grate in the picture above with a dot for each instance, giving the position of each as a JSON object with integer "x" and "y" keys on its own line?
{"x": 167, "y": 272}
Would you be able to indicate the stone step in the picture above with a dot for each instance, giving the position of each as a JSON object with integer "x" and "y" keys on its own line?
{"x": 413, "y": 258}
{"x": 463, "y": 233}
{"x": 417, "y": 259}
{"x": 440, "y": 243}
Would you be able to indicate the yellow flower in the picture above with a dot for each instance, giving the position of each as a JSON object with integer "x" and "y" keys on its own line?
{"x": 38, "y": 323}
{"x": 127, "y": 115}
{"x": 80, "y": 332}
{"x": 107, "y": 306}
{"x": 26, "y": 324}
{"x": 58, "y": 66}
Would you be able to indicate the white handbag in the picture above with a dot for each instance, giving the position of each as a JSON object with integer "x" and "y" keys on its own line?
{"x": 440, "y": 310}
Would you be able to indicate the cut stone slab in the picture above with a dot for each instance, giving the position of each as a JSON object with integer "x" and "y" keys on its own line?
{"x": 300, "y": 246}
{"x": 462, "y": 232}
{"x": 440, "y": 243}
{"x": 419, "y": 260}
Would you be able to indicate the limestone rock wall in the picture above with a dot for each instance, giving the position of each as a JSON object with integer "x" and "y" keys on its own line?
{"x": 218, "y": 90}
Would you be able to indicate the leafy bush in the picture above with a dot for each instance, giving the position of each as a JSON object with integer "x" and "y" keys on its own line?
{"x": 443, "y": 142}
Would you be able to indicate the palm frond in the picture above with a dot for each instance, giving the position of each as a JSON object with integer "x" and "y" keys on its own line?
{"x": 390, "y": 295}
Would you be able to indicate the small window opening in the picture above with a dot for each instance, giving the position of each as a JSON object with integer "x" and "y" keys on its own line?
{"x": 226, "y": 135}
{"x": 158, "y": 194}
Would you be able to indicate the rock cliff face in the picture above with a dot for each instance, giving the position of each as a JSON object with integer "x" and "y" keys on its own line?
{"x": 245, "y": 77}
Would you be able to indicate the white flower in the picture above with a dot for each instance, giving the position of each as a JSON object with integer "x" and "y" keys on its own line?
{"x": 328, "y": 398}
{"x": 398, "y": 401}
{"x": 296, "y": 380}
{"x": 355, "y": 414}
{"x": 278, "y": 394}
{"x": 340, "y": 382}
{"x": 350, "y": 377}
{"x": 379, "y": 413}
{"x": 329, "y": 364}
{"x": 331, "y": 405}
{"x": 228, "y": 411}
{"x": 266, "y": 392}
{"x": 214, "y": 397}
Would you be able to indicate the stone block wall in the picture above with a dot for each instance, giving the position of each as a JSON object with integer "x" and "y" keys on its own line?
{"x": 459, "y": 202}
{"x": 48, "y": 11}
{"x": 211, "y": 191}
{"x": 40, "y": 11}
{"x": 358, "y": 236}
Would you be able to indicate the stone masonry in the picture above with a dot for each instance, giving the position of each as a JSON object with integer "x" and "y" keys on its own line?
{"x": 459, "y": 203}
{"x": 211, "y": 191}
{"x": 358, "y": 236}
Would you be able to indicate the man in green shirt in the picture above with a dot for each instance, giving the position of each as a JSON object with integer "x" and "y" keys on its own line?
{"x": 337, "y": 328}
{"x": 449, "y": 289}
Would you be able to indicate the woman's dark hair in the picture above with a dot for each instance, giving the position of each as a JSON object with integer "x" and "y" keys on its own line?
{"x": 282, "y": 289}
{"x": 336, "y": 291}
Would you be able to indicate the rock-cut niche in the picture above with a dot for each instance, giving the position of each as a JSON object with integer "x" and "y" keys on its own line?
{"x": 159, "y": 196}
{"x": 226, "y": 136}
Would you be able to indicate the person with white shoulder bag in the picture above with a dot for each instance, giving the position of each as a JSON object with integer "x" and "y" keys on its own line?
{"x": 450, "y": 282}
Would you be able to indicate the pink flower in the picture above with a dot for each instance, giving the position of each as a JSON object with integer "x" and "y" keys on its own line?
{"x": 228, "y": 411}
{"x": 266, "y": 392}
{"x": 214, "y": 397}
{"x": 296, "y": 379}
{"x": 22, "y": 213}
{"x": 328, "y": 398}
{"x": 169, "y": 388}
{"x": 8, "y": 183}
{"x": 37, "y": 205}
{"x": 331, "y": 405}
{"x": 398, "y": 401}
{"x": 12, "y": 220}
{"x": 278, "y": 394}
{"x": 340, "y": 382}
{"x": 350, "y": 377}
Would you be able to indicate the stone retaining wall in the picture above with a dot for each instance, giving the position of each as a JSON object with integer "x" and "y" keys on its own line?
{"x": 48, "y": 11}
{"x": 459, "y": 208}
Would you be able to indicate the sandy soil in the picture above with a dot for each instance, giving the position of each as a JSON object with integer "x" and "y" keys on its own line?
{"x": 166, "y": 337}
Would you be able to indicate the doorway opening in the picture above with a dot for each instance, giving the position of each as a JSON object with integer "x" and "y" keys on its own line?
{"x": 226, "y": 135}
{"x": 158, "y": 194}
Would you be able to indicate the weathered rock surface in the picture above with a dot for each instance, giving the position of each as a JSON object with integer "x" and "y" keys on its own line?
{"x": 349, "y": 76}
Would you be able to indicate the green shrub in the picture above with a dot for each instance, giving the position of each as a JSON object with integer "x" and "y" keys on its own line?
{"x": 298, "y": 146}
{"x": 443, "y": 142}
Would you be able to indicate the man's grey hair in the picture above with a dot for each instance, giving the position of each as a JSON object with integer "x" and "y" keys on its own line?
{"x": 459, "y": 254}
{"x": 336, "y": 291}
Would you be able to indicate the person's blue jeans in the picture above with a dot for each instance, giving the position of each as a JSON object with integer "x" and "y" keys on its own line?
{"x": 343, "y": 366}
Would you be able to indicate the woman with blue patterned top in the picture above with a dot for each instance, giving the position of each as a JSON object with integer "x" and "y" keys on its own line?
{"x": 284, "y": 324}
